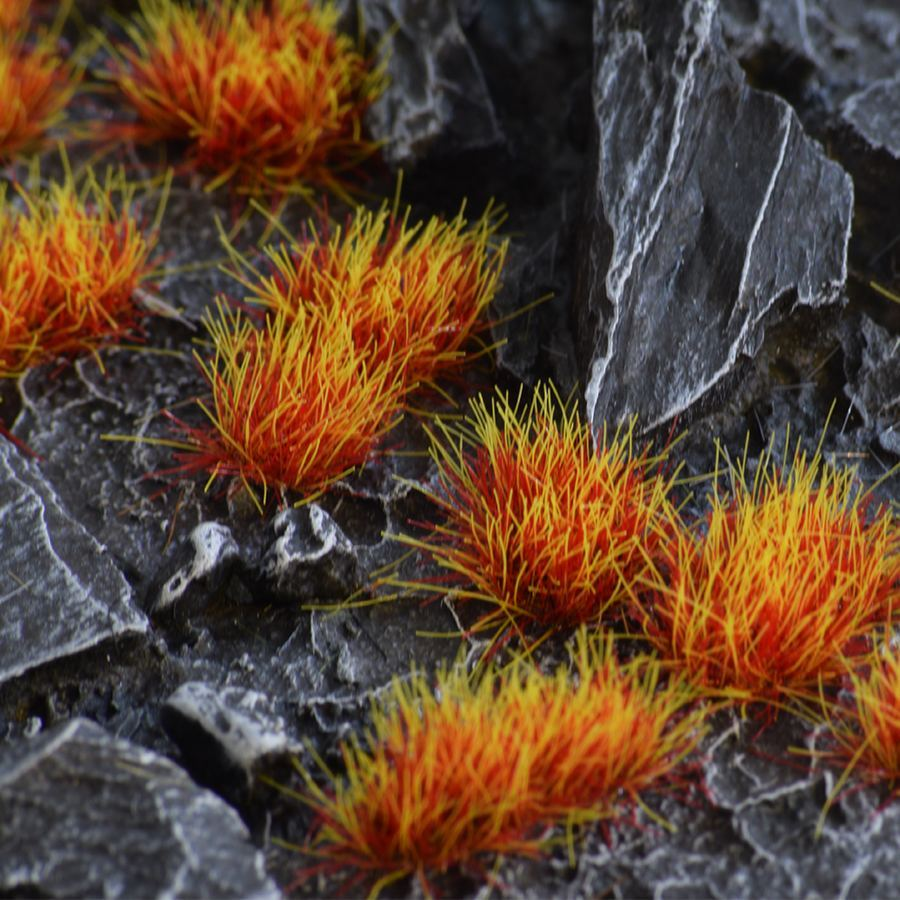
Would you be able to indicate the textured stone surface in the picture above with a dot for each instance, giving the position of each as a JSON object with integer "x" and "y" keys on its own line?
{"x": 874, "y": 388}
{"x": 85, "y": 814}
{"x": 836, "y": 62}
{"x": 708, "y": 210}
{"x": 225, "y": 734}
{"x": 875, "y": 114}
{"x": 843, "y": 45}
{"x": 212, "y": 553}
{"x": 311, "y": 558}
{"x": 437, "y": 102}
{"x": 61, "y": 592}
{"x": 64, "y": 416}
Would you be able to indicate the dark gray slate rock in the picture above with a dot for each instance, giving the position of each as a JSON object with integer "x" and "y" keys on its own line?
{"x": 708, "y": 209}
{"x": 225, "y": 734}
{"x": 845, "y": 44}
{"x": 874, "y": 388}
{"x": 61, "y": 592}
{"x": 311, "y": 559}
{"x": 874, "y": 114}
{"x": 88, "y": 815}
{"x": 436, "y": 102}
{"x": 65, "y": 413}
{"x": 212, "y": 554}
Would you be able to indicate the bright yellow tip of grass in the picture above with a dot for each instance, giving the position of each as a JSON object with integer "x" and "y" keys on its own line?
{"x": 292, "y": 405}
{"x": 35, "y": 86}
{"x": 535, "y": 519}
{"x": 866, "y": 728}
{"x": 783, "y": 580}
{"x": 457, "y": 768}
{"x": 267, "y": 96}
{"x": 71, "y": 259}
{"x": 415, "y": 294}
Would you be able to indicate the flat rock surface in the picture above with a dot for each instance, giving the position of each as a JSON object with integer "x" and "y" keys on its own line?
{"x": 89, "y": 815}
{"x": 875, "y": 114}
{"x": 844, "y": 44}
{"x": 225, "y": 734}
{"x": 708, "y": 211}
{"x": 61, "y": 592}
{"x": 436, "y": 102}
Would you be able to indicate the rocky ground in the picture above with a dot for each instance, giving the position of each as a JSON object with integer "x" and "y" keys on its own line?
{"x": 707, "y": 188}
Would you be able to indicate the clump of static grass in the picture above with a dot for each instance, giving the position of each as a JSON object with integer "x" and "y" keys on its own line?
{"x": 464, "y": 767}
{"x": 293, "y": 406}
{"x": 415, "y": 293}
{"x": 268, "y": 96}
{"x": 36, "y": 84}
{"x": 72, "y": 257}
{"x": 13, "y": 15}
{"x": 786, "y": 576}
{"x": 536, "y": 519}
{"x": 864, "y": 726}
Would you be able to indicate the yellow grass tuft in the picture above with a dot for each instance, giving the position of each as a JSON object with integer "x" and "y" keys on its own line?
{"x": 71, "y": 259}
{"x": 465, "y": 767}
{"x": 13, "y": 15}
{"x": 537, "y": 522}
{"x": 866, "y": 727}
{"x": 782, "y": 580}
{"x": 267, "y": 95}
{"x": 36, "y": 83}
{"x": 415, "y": 294}
{"x": 293, "y": 405}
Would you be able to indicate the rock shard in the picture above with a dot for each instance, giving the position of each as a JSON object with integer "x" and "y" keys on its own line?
{"x": 708, "y": 212}
{"x": 212, "y": 555}
{"x": 874, "y": 113}
{"x": 436, "y": 102}
{"x": 61, "y": 594}
{"x": 225, "y": 733}
{"x": 89, "y": 815}
{"x": 311, "y": 559}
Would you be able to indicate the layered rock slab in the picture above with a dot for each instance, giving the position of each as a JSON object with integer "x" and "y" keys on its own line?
{"x": 61, "y": 593}
{"x": 436, "y": 102}
{"x": 709, "y": 213}
{"x": 86, "y": 814}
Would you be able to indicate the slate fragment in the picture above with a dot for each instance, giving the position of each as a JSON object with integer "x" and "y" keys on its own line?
{"x": 709, "y": 213}
{"x": 845, "y": 45}
{"x": 436, "y": 102}
{"x": 65, "y": 413}
{"x": 225, "y": 734}
{"x": 207, "y": 562}
{"x": 89, "y": 815}
{"x": 836, "y": 62}
{"x": 874, "y": 386}
{"x": 61, "y": 593}
{"x": 874, "y": 113}
{"x": 311, "y": 559}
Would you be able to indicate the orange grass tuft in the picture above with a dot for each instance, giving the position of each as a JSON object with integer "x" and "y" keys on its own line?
{"x": 35, "y": 86}
{"x": 71, "y": 259}
{"x": 539, "y": 523}
{"x": 781, "y": 580}
{"x": 866, "y": 728}
{"x": 468, "y": 768}
{"x": 414, "y": 293}
{"x": 266, "y": 94}
{"x": 13, "y": 15}
{"x": 293, "y": 406}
